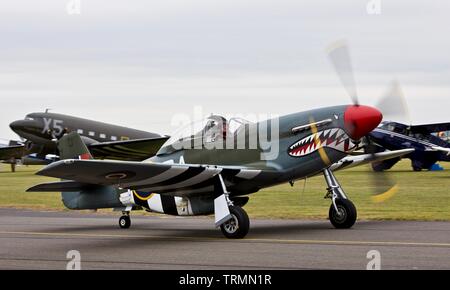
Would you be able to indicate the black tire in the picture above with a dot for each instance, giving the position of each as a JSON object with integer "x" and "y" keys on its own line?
{"x": 417, "y": 169}
{"x": 124, "y": 222}
{"x": 348, "y": 214}
{"x": 238, "y": 226}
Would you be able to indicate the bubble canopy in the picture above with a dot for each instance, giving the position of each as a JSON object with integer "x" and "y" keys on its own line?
{"x": 197, "y": 133}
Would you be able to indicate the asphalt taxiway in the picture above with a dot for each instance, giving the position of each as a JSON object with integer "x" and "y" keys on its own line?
{"x": 41, "y": 240}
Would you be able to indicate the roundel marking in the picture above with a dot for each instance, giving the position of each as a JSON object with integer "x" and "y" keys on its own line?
{"x": 144, "y": 198}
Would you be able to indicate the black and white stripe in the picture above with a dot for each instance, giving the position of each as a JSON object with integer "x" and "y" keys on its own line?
{"x": 188, "y": 180}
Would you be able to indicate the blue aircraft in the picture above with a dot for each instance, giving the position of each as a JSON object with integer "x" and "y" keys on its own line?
{"x": 429, "y": 148}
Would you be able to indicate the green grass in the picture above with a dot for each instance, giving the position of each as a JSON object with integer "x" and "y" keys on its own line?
{"x": 421, "y": 196}
{"x": 13, "y": 186}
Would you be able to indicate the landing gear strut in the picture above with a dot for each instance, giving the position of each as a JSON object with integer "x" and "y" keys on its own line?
{"x": 124, "y": 220}
{"x": 342, "y": 211}
{"x": 233, "y": 220}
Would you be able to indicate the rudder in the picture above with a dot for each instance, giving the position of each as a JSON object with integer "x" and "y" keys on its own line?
{"x": 71, "y": 146}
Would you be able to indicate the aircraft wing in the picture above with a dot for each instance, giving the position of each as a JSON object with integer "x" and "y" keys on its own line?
{"x": 10, "y": 152}
{"x": 442, "y": 149}
{"x": 181, "y": 179}
{"x": 129, "y": 150}
{"x": 430, "y": 128}
{"x": 356, "y": 160}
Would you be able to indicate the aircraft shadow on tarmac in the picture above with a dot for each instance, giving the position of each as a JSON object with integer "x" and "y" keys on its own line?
{"x": 179, "y": 230}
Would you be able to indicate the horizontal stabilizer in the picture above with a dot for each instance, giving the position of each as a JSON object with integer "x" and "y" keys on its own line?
{"x": 61, "y": 186}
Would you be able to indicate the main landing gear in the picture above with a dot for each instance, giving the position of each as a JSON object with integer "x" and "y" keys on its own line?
{"x": 238, "y": 226}
{"x": 342, "y": 211}
{"x": 125, "y": 220}
{"x": 233, "y": 220}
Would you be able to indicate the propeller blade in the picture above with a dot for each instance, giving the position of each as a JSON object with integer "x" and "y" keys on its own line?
{"x": 383, "y": 186}
{"x": 339, "y": 55}
{"x": 393, "y": 105}
{"x": 323, "y": 155}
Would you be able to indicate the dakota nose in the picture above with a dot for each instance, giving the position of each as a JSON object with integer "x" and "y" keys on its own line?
{"x": 21, "y": 124}
{"x": 361, "y": 120}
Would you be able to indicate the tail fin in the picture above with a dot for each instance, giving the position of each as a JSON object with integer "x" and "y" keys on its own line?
{"x": 76, "y": 195}
{"x": 71, "y": 146}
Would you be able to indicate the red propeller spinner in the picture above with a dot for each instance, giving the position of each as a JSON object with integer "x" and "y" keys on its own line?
{"x": 361, "y": 120}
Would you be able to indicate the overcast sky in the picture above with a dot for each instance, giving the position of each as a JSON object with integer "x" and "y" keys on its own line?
{"x": 137, "y": 63}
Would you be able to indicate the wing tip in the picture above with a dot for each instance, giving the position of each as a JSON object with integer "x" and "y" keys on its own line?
{"x": 55, "y": 166}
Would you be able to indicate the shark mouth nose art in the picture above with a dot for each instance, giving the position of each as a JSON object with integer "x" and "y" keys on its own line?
{"x": 334, "y": 138}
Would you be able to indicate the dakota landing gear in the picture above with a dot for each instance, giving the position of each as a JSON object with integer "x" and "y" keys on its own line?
{"x": 238, "y": 226}
{"x": 342, "y": 211}
{"x": 125, "y": 220}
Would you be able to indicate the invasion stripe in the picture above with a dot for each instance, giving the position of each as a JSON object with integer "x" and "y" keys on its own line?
{"x": 188, "y": 174}
{"x": 168, "y": 204}
{"x": 200, "y": 177}
{"x": 205, "y": 183}
{"x": 200, "y": 185}
{"x": 168, "y": 174}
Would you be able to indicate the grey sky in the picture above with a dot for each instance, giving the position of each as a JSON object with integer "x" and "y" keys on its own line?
{"x": 137, "y": 63}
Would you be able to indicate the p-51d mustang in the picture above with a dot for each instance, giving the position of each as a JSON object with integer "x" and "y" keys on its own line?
{"x": 192, "y": 173}
{"x": 182, "y": 180}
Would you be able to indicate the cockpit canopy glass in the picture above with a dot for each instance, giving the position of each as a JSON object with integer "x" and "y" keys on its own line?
{"x": 196, "y": 134}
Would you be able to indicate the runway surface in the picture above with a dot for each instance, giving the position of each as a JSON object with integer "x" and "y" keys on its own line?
{"x": 41, "y": 240}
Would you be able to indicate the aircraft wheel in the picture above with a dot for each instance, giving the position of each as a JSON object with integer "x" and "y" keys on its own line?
{"x": 346, "y": 217}
{"x": 238, "y": 226}
{"x": 124, "y": 222}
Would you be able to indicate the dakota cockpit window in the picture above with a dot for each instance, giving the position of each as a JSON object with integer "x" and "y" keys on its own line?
{"x": 196, "y": 134}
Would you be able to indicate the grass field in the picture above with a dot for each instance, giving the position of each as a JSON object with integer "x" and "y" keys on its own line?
{"x": 421, "y": 196}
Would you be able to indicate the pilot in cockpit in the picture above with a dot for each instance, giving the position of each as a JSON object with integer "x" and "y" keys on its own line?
{"x": 216, "y": 127}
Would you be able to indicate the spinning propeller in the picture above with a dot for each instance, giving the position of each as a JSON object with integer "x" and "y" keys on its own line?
{"x": 339, "y": 56}
{"x": 392, "y": 105}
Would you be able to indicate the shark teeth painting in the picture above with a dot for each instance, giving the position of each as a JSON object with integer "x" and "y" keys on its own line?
{"x": 334, "y": 138}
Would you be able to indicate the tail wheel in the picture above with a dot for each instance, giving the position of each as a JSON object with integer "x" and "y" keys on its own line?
{"x": 345, "y": 217}
{"x": 239, "y": 224}
{"x": 124, "y": 222}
